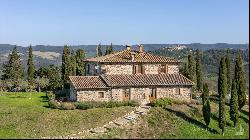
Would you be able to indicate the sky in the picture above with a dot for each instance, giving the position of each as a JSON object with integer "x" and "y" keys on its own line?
{"x": 90, "y": 22}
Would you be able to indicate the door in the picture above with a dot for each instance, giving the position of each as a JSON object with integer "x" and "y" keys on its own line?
{"x": 152, "y": 95}
{"x": 126, "y": 94}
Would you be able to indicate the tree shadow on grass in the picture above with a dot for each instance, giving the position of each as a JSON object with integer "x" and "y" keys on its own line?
{"x": 213, "y": 116}
{"x": 44, "y": 98}
{"x": 18, "y": 97}
{"x": 244, "y": 119}
{"x": 191, "y": 120}
{"x": 244, "y": 112}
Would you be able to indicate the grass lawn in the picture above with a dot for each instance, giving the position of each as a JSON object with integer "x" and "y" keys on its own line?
{"x": 183, "y": 122}
{"x": 26, "y": 115}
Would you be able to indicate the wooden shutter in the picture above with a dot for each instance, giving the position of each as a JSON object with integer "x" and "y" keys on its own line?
{"x": 143, "y": 70}
{"x": 166, "y": 68}
{"x": 163, "y": 68}
{"x": 135, "y": 69}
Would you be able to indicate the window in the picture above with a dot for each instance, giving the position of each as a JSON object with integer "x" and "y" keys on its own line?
{"x": 163, "y": 68}
{"x": 135, "y": 70}
{"x": 139, "y": 69}
{"x": 126, "y": 92}
{"x": 153, "y": 93}
{"x": 177, "y": 91}
{"x": 101, "y": 94}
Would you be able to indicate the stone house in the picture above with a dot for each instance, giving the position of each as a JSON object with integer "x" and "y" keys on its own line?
{"x": 130, "y": 75}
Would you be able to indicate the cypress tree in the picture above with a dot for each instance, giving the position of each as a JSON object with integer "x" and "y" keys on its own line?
{"x": 72, "y": 64}
{"x": 111, "y": 48}
{"x": 66, "y": 71}
{"x": 107, "y": 50}
{"x": 13, "y": 69}
{"x": 184, "y": 70}
{"x": 222, "y": 90}
{"x": 240, "y": 81}
{"x": 198, "y": 71}
{"x": 234, "y": 108}
{"x": 80, "y": 66}
{"x": 206, "y": 105}
{"x": 191, "y": 68}
{"x": 31, "y": 67}
{"x": 98, "y": 50}
{"x": 228, "y": 72}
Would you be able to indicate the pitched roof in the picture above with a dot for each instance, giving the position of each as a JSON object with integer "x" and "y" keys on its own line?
{"x": 125, "y": 56}
{"x": 121, "y": 80}
{"x": 87, "y": 82}
{"x": 146, "y": 80}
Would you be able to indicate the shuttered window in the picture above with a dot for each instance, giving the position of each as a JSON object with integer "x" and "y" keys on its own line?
{"x": 177, "y": 90}
{"x": 135, "y": 69}
{"x": 139, "y": 69}
{"x": 143, "y": 70}
{"x": 163, "y": 68}
{"x": 166, "y": 68}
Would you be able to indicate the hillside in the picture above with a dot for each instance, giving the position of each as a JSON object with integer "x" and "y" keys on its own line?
{"x": 46, "y": 54}
{"x": 210, "y": 61}
{"x": 27, "y": 115}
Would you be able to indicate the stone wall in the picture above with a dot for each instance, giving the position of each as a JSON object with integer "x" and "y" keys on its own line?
{"x": 140, "y": 94}
{"x": 117, "y": 69}
{"x": 93, "y": 95}
{"x": 172, "y": 69}
{"x": 124, "y": 68}
{"x": 185, "y": 92}
{"x": 152, "y": 68}
{"x": 117, "y": 94}
{"x": 137, "y": 94}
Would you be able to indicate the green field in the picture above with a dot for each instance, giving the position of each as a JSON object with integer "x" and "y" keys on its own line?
{"x": 26, "y": 115}
{"x": 182, "y": 122}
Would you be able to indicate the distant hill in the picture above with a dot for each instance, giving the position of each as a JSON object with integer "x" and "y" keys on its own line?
{"x": 46, "y": 54}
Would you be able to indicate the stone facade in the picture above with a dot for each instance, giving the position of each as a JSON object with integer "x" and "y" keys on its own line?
{"x": 96, "y": 69}
{"x": 94, "y": 95}
{"x": 152, "y": 68}
{"x": 176, "y": 92}
{"x": 172, "y": 69}
{"x": 117, "y": 68}
{"x": 140, "y": 94}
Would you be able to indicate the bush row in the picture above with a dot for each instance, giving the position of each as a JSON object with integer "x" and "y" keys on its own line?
{"x": 89, "y": 104}
{"x": 162, "y": 102}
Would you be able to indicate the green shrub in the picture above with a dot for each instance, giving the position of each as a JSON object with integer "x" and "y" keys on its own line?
{"x": 54, "y": 104}
{"x": 132, "y": 103}
{"x": 102, "y": 104}
{"x": 162, "y": 102}
{"x": 68, "y": 106}
{"x": 82, "y": 105}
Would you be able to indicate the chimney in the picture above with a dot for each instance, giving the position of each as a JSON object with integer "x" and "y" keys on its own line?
{"x": 132, "y": 54}
{"x": 128, "y": 47}
{"x": 141, "y": 49}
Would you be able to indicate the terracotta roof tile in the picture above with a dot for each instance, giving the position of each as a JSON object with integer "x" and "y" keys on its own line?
{"x": 87, "y": 82}
{"x": 120, "y": 80}
{"x": 125, "y": 56}
{"x": 146, "y": 80}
